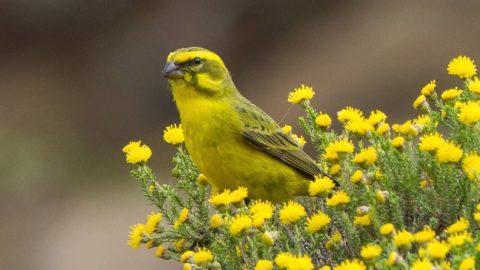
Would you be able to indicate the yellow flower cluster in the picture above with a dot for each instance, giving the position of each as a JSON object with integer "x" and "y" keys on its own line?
{"x": 138, "y": 231}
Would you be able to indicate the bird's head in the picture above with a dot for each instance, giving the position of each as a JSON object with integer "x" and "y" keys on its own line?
{"x": 197, "y": 69}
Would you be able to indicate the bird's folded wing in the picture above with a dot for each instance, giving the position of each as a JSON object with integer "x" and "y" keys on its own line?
{"x": 282, "y": 147}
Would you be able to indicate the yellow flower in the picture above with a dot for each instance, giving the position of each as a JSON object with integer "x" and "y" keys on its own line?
{"x": 354, "y": 264}
{"x": 471, "y": 166}
{"x": 323, "y": 120}
{"x": 467, "y": 264}
{"x": 159, "y": 251}
{"x": 422, "y": 252}
{"x": 359, "y": 126}
{"x": 260, "y": 211}
{"x": 187, "y": 255}
{"x": 403, "y": 239}
{"x": 182, "y": 217}
{"x": 187, "y": 266}
{"x": 325, "y": 267}
{"x": 356, "y": 176}
{"x": 459, "y": 239}
{"x": 136, "y": 153}
{"x": 451, "y": 94}
{"x": 424, "y": 235}
{"x": 291, "y": 262}
{"x": 422, "y": 120}
{"x": 445, "y": 265}
{"x": 383, "y": 128}
{"x": 423, "y": 264}
{"x": 298, "y": 139}
{"x": 291, "y": 212}
{"x": 220, "y": 198}
{"x": 151, "y": 189}
{"x": 398, "y": 141}
{"x": 424, "y": 183}
{"x": 216, "y": 221}
{"x": 363, "y": 220}
{"x": 335, "y": 239}
{"x": 376, "y": 117}
{"x": 284, "y": 259}
{"x": 238, "y": 195}
{"x": 227, "y": 197}
{"x": 336, "y": 168}
{"x": 135, "y": 235}
{"x": 173, "y": 134}
{"x": 429, "y": 88}
{"x": 420, "y": 101}
{"x": 469, "y": 113}
{"x": 476, "y": 216}
{"x": 338, "y": 198}
{"x": 459, "y": 226}
{"x": 462, "y": 66}
{"x": 303, "y": 263}
{"x": 317, "y": 222}
{"x": 474, "y": 85}
{"x": 300, "y": 94}
{"x": 239, "y": 223}
{"x": 202, "y": 256}
{"x": 387, "y": 229}
{"x": 152, "y": 221}
{"x": 349, "y": 114}
{"x": 287, "y": 129}
{"x": 321, "y": 185}
{"x": 264, "y": 265}
{"x": 370, "y": 251}
{"x": 449, "y": 152}
{"x": 367, "y": 156}
{"x": 179, "y": 244}
{"x": 341, "y": 146}
{"x": 408, "y": 128}
{"x": 437, "y": 250}
{"x": 430, "y": 142}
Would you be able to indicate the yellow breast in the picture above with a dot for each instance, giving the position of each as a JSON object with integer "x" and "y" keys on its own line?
{"x": 213, "y": 137}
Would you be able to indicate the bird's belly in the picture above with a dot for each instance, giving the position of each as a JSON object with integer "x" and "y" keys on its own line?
{"x": 229, "y": 162}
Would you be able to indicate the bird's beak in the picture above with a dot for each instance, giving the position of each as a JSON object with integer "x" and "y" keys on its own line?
{"x": 172, "y": 71}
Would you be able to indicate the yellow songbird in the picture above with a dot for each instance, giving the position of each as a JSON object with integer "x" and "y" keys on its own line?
{"x": 233, "y": 142}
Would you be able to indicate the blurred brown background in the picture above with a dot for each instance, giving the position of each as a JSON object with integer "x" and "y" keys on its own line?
{"x": 79, "y": 79}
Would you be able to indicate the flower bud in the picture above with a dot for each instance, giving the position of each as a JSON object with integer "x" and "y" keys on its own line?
{"x": 202, "y": 180}
{"x": 269, "y": 237}
{"x": 381, "y": 196}
{"x": 362, "y": 210}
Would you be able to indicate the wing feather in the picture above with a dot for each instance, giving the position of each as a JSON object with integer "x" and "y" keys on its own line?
{"x": 262, "y": 132}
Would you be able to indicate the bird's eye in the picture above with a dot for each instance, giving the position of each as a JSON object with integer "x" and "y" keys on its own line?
{"x": 197, "y": 61}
